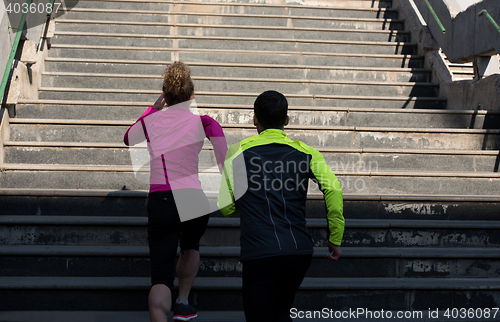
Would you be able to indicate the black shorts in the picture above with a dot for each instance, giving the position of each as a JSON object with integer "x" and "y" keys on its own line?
{"x": 165, "y": 230}
{"x": 270, "y": 284}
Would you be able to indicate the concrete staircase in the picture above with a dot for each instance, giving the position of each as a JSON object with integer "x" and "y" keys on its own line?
{"x": 464, "y": 71}
{"x": 421, "y": 183}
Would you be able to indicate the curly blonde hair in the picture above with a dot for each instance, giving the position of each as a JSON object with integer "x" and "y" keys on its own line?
{"x": 177, "y": 83}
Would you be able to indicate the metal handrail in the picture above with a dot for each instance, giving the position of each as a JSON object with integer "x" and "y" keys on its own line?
{"x": 435, "y": 16}
{"x": 490, "y": 18}
{"x": 47, "y": 21}
{"x": 8, "y": 68}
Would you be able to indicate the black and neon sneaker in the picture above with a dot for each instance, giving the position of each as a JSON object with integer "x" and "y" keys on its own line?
{"x": 183, "y": 312}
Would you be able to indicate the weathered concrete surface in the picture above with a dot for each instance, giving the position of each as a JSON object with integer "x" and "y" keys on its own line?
{"x": 27, "y": 75}
{"x": 5, "y": 38}
{"x": 243, "y": 115}
{"x": 467, "y": 35}
{"x": 30, "y": 54}
{"x": 461, "y": 95}
{"x": 481, "y": 95}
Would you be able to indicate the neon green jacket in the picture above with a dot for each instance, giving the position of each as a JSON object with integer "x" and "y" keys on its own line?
{"x": 265, "y": 180}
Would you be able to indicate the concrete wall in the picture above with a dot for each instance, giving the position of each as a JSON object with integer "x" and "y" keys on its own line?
{"x": 470, "y": 95}
{"x": 467, "y": 35}
{"x": 26, "y": 77}
{"x": 462, "y": 95}
{"x": 5, "y": 38}
{"x": 34, "y": 24}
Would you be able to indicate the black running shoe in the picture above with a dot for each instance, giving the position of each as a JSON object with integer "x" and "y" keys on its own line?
{"x": 184, "y": 312}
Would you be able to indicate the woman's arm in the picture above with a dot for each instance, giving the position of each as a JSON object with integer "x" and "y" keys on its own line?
{"x": 138, "y": 132}
{"x": 213, "y": 131}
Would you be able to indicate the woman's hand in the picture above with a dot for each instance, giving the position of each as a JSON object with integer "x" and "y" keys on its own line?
{"x": 160, "y": 102}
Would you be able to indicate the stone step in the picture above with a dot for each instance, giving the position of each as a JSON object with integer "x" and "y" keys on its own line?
{"x": 243, "y": 114}
{"x": 233, "y": 43}
{"x": 304, "y": 3}
{"x": 35, "y": 176}
{"x": 366, "y": 183}
{"x": 54, "y": 130}
{"x": 130, "y": 203}
{"x": 56, "y": 66}
{"x": 216, "y": 30}
{"x": 130, "y": 293}
{"x": 131, "y": 231}
{"x": 238, "y": 316}
{"x": 67, "y": 202}
{"x": 88, "y": 81}
{"x": 337, "y": 159}
{"x": 380, "y": 9}
{"x": 114, "y": 316}
{"x": 239, "y": 98}
{"x": 224, "y": 262}
{"x": 313, "y": 3}
{"x": 207, "y": 56}
{"x": 330, "y": 18}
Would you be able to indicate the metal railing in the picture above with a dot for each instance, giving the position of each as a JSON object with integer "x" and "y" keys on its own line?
{"x": 490, "y": 18}
{"x": 15, "y": 45}
{"x": 8, "y": 68}
{"x": 435, "y": 16}
{"x": 46, "y": 27}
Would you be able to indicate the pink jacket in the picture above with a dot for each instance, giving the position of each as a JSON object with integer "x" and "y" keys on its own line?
{"x": 174, "y": 140}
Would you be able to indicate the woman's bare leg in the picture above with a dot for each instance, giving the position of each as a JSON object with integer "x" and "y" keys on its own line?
{"x": 160, "y": 302}
{"x": 187, "y": 268}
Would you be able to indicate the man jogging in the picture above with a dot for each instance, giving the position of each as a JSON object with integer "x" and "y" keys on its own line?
{"x": 265, "y": 181}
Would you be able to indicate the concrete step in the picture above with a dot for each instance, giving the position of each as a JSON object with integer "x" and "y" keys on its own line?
{"x": 54, "y": 130}
{"x": 237, "y": 316}
{"x": 56, "y": 66}
{"x": 305, "y": 3}
{"x": 215, "y": 30}
{"x": 464, "y": 71}
{"x": 121, "y": 293}
{"x": 338, "y": 159}
{"x": 34, "y": 176}
{"x": 131, "y": 231}
{"x": 88, "y": 81}
{"x": 224, "y": 262}
{"x": 311, "y": 3}
{"x": 241, "y": 98}
{"x": 212, "y": 56}
{"x": 113, "y": 316}
{"x": 67, "y": 202}
{"x": 233, "y": 43}
{"x": 242, "y": 114}
{"x": 130, "y": 203}
{"x": 332, "y": 9}
{"x": 330, "y": 18}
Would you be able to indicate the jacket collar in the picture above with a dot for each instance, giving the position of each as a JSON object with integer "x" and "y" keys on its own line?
{"x": 273, "y": 132}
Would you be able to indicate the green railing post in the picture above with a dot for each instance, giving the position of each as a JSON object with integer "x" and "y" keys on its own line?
{"x": 12, "y": 54}
{"x": 490, "y": 18}
{"x": 435, "y": 16}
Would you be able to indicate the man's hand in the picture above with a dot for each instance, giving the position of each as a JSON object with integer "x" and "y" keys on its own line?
{"x": 334, "y": 250}
{"x": 160, "y": 102}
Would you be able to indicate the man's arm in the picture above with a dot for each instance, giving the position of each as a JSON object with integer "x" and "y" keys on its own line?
{"x": 330, "y": 186}
{"x": 226, "y": 200}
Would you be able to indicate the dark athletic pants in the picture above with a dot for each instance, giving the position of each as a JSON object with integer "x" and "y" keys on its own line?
{"x": 269, "y": 286}
{"x": 166, "y": 231}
